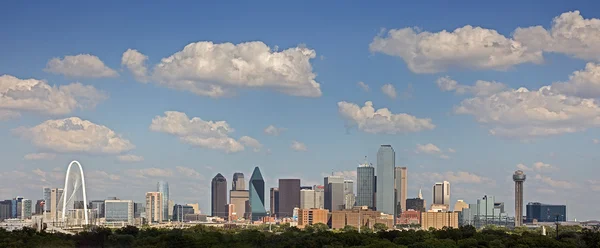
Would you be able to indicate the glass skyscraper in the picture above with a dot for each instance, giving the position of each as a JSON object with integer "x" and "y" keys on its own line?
{"x": 546, "y": 212}
{"x": 47, "y": 202}
{"x": 219, "y": 196}
{"x": 257, "y": 195}
{"x": 365, "y": 185}
{"x": 163, "y": 187}
{"x": 386, "y": 161}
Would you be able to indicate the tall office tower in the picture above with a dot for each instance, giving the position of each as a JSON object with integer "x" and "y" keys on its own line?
{"x": 163, "y": 187}
{"x": 365, "y": 185}
{"x": 119, "y": 211}
{"x": 25, "y": 209}
{"x": 307, "y": 199}
{"x": 139, "y": 210}
{"x": 400, "y": 182}
{"x": 349, "y": 198}
{"x": 39, "y": 207}
{"x": 154, "y": 207}
{"x": 441, "y": 193}
{"x": 519, "y": 177}
{"x": 289, "y": 196}
{"x": 171, "y": 204}
{"x": 5, "y": 209}
{"x": 55, "y": 196}
{"x": 274, "y": 202}
{"x": 238, "y": 182}
{"x": 97, "y": 208}
{"x": 47, "y": 201}
{"x": 319, "y": 196}
{"x": 334, "y": 193}
{"x": 257, "y": 195}
{"x": 386, "y": 161}
{"x": 218, "y": 196}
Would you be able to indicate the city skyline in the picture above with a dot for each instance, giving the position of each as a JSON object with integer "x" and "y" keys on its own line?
{"x": 113, "y": 97}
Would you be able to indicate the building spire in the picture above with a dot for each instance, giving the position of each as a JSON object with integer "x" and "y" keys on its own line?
{"x": 420, "y": 194}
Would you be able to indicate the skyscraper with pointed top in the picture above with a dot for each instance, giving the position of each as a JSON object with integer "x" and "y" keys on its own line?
{"x": 218, "y": 196}
{"x": 257, "y": 195}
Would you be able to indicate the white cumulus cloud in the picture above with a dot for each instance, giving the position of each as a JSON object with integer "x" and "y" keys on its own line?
{"x": 298, "y": 146}
{"x": 432, "y": 149}
{"x": 569, "y": 34}
{"x": 363, "y": 86}
{"x": 389, "y": 90}
{"x": 481, "y": 88}
{"x": 273, "y": 130}
{"x": 197, "y": 132}
{"x": 34, "y": 95}
{"x": 382, "y": 120}
{"x": 466, "y": 47}
{"x": 251, "y": 142}
{"x": 136, "y": 63}
{"x": 217, "y": 69}
{"x": 130, "y": 158}
{"x": 75, "y": 135}
{"x": 81, "y": 66}
{"x": 40, "y": 156}
{"x": 560, "y": 184}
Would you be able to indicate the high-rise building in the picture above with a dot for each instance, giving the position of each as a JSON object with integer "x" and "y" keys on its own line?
{"x": 47, "y": 201}
{"x": 55, "y": 196}
{"x": 349, "y": 198}
{"x": 257, "y": 195}
{"x": 154, "y": 207}
{"x": 401, "y": 185}
{"x": 386, "y": 161}
{"x": 416, "y": 204}
{"x": 195, "y": 206}
{"x": 441, "y": 193}
{"x": 119, "y": 211}
{"x": 519, "y": 178}
{"x": 365, "y": 185}
{"x": 485, "y": 212}
{"x": 238, "y": 199}
{"x": 179, "y": 212}
{"x": 334, "y": 193}
{"x": 39, "y": 207}
{"x": 26, "y": 209}
{"x": 5, "y": 210}
{"x": 171, "y": 205}
{"x": 274, "y": 201}
{"x": 541, "y": 212}
{"x": 238, "y": 182}
{"x": 97, "y": 208}
{"x": 218, "y": 196}
{"x": 307, "y": 199}
{"x": 319, "y": 196}
{"x": 163, "y": 188}
{"x": 139, "y": 210}
{"x": 289, "y": 196}
{"x": 439, "y": 220}
{"x": 460, "y": 205}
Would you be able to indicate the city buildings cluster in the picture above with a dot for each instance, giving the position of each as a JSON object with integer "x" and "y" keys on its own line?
{"x": 379, "y": 195}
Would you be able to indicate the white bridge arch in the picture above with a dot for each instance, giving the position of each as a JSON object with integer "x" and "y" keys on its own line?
{"x": 69, "y": 199}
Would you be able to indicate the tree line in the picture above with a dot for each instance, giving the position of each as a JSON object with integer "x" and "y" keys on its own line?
{"x": 313, "y": 236}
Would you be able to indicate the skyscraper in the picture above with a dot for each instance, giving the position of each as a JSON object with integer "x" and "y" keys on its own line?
{"x": 441, "y": 193}
{"x": 365, "y": 185}
{"x": 26, "y": 209}
{"x": 55, "y": 196}
{"x": 238, "y": 182}
{"x": 274, "y": 202}
{"x": 289, "y": 196}
{"x": 163, "y": 188}
{"x": 334, "y": 193}
{"x": 120, "y": 211}
{"x": 349, "y": 197}
{"x": 238, "y": 195}
{"x": 400, "y": 182}
{"x": 519, "y": 177}
{"x": 257, "y": 195}
{"x": 307, "y": 198}
{"x": 218, "y": 196}
{"x": 47, "y": 201}
{"x": 386, "y": 161}
{"x": 154, "y": 207}
{"x": 319, "y": 196}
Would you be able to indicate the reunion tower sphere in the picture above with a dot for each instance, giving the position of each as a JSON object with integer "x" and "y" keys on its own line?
{"x": 519, "y": 176}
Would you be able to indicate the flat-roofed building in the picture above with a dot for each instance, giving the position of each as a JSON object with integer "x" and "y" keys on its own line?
{"x": 312, "y": 216}
{"x": 439, "y": 220}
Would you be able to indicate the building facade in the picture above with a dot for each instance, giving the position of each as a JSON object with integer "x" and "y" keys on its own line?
{"x": 349, "y": 197}
{"x": 307, "y": 199}
{"x": 386, "y": 161}
{"x": 120, "y": 211}
{"x": 218, "y": 196}
{"x": 238, "y": 182}
{"x": 239, "y": 198}
{"x": 308, "y": 217}
{"x": 257, "y": 195}
{"x": 485, "y": 212}
{"x": 26, "y": 206}
{"x": 541, "y": 212}
{"x": 289, "y": 196}
{"x": 401, "y": 186}
{"x": 97, "y": 208}
{"x": 441, "y": 193}
{"x": 334, "y": 193}
{"x": 319, "y": 196}
{"x": 274, "y": 201}
{"x": 163, "y": 188}
{"x": 179, "y": 212}
{"x": 5, "y": 210}
{"x": 417, "y": 204}
{"x": 39, "y": 207}
{"x": 439, "y": 220}
{"x": 409, "y": 217}
{"x": 365, "y": 185}
{"x": 154, "y": 207}
{"x": 47, "y": 201}
{"x": 359, "y": 217}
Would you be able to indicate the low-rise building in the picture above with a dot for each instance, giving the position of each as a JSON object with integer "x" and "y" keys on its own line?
{"x": 439, "y": 220}
{"x": 359, "y": 216}
{"x": 410, "y": 216}
{"x": 312, "y": 216}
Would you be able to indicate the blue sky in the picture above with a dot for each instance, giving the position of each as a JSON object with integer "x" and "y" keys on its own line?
{"x": 557, "y": 134}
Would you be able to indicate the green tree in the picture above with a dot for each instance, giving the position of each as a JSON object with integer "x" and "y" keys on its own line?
{"x": 320, "y": 227}
{"x": 349, "y": 228}
{"x": 380, "y": 227}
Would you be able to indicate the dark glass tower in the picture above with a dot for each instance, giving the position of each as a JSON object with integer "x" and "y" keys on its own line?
{"x": 218, "y": 196}
{"x": 257, "y": 195}
{"x": 365, "y": 185}
{"x": 289, "y": 196}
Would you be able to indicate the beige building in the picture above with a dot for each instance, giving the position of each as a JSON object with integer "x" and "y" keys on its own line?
{"x": 312, "y": 216}
{"x": 238, "y": 198}
{"x": 55, "y": 197}
{"x": 154, "y": 207}
{"x": 231, "y": 214}
{"x": 438, "y": 220}
{"x": 460, "y": 205}
{"x": 195, "y": 207}
{"x": 401, "y": 185}
{"x": 439, "y": 208}
{"x": 359, "y": 216}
